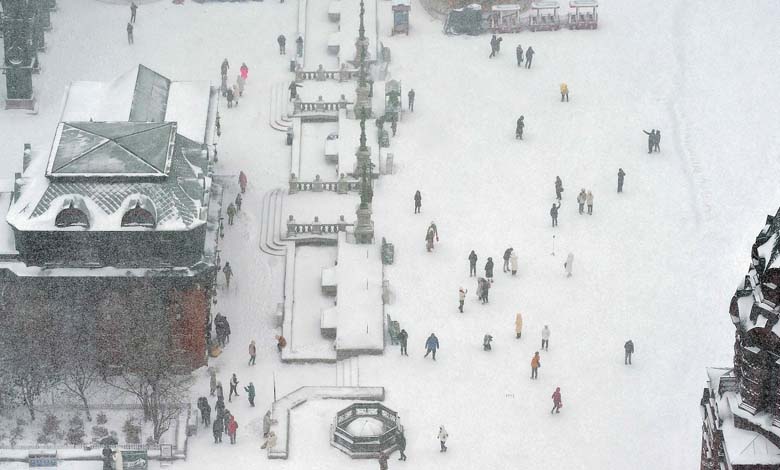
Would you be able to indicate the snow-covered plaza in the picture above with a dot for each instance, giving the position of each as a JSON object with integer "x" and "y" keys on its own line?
{"x": 656, "y": 264}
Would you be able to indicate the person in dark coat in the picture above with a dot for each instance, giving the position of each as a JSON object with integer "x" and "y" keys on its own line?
{"x": 519, "y": 53}
{"x": 224, "y": 67}
{"x": 282, "y": 42}
{"x": 403, "y": 337}
{"x": 205, "y": 410}
{"x": 486, "y": 343}
{"x": 417, "y": 202}
{"x": 529, "y": 56}
{"x": 294, "y": 90}
{"x": 400, "y": 441}
{"x": 507, "y": 254}
{"x": 228, "y": 271}
{"x": 519, "y": 128}
{"x": 229, "y": 95}
{"x": 107, "y": 460}
{"x": 493, "y": 47}
{"x": 133, "y": 9}
{"x": 629, "y": 348}
{"x": 250, "y": 390}
{"x": 299, "y": 46}
{"x": 489, "y": 269}
{"x": 410, "y": 96}
{"x": 217, "y": 429}
{"x": 431, "y": 345}
{"x": 129, "y": 33}
{"x": 558, "y": 187}
{"x": 657, "y": 143}
{"x": 472, "y": 264}
{"x": 394, "y": 125}
{"x": 650, "y": 140}
{"x": 621, "y": 175}
{"x": 231, "y": 213}
{"x": 233, "y": 387}
{"x": 554, "y": 214}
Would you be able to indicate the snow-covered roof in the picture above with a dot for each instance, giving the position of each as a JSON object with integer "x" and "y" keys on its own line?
{"x": 545, "y": 5}
{"x": 188, "y": 105}
{"x": 583, "y": 3}
{"x": 507, "y": 7}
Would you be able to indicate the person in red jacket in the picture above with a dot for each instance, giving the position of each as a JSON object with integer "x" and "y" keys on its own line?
{"x": 557, "y": 404}
{"x": 232, "y": 428}
{"x": 244, "y": 71}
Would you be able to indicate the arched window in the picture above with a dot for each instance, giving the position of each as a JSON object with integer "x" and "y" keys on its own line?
{"x": 71, "y": 217}
{"x": 138, "y": 217}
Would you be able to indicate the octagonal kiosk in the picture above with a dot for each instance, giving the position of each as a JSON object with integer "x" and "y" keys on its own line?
{"x": 363, "y": 430}
{"x": 544, "y": 16}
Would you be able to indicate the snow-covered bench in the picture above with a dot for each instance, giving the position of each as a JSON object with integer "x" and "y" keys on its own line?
{"x": 334, "y": 43}
{"x": 334, "y": 10}
{"x": 329, "y": 281}
{"x": 328, "y": 322}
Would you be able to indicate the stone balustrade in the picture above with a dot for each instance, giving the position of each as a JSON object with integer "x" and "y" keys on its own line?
{"x": 319, "y": 106}
{"x": 316, "y": 227}
{"x": 342, "y": 186}
{"x": 321, "y": 75}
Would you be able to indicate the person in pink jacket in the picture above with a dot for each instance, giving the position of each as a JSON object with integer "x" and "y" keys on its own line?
{"x": 557, "y": 404}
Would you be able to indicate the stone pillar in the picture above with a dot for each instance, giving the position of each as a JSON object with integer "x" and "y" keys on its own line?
{"x": 293, "y": 184}
{"x": 319, "y": 106}
{"x": 364, "y": 227}
{"x": 320, "y": 73}
{"x": 343, "y": 102}
{"x": 291, "y": 226}
{"x": 297, "y": 105}
{"x": 361, "y": 44}
{"x": 316, "y": 186}
{"x": 362, "y": 101}
{"x": 342, "y": 224}
{"x": 342, "y": 186}
{"x": 343, "y": 74}
{"x": 316, "y": 226}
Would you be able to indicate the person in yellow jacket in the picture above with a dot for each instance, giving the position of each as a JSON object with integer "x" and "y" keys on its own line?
{"x": 518, "y": 325}
{"x": 564, "y": 92}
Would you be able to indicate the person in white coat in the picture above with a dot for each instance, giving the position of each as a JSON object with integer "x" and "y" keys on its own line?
{"x": 589, "y": 202}
{"x": 518, "y": 326}
{"x": 443, "y": 439}
{"x": 513, "y": 262}
{"x": 461, "y": 298}
{"x": 569, "y": 264}
{"x": 545, "y": 337}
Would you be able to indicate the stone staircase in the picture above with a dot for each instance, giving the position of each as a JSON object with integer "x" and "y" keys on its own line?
{"x": 270, "y": 227}
{"x": 348, "y": 372}
{"x": 279, "y": 118}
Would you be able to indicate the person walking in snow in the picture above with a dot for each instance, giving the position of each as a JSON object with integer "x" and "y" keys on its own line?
{"x": 299, "y": 46}
{"x": 212, "y": 381}
{"x": 442, "y": 436}
{"x": 233, "y": 387}
{"x": 513, "y": 262}
{"x": 417, "y": 202}
{"x": 519, "y": 128}
{"x": 230, "y": 94}
{"x": 621, "y": 176}
{"x": 472, "y": 264}
{"x": 252, "y": 353}
{"x": 382, "y": 461}
{"x": 493, "y": 47}
{"x": 267, "y": 422}
{"x": 281, "y": 342}
{"x": 228, "y": 272}
{"x": 554, "y": 213}
{"x": 657, "y": 142}
{"x": 242, "y": 181}
{"x": 220, "y": 393}
{"x": 216, "y": 428}
{"x": 489, "y": 269}
{"x": 232, "y": 427}
{"x": 461, "y": 298}
{"x": 394, "y": 125}
{"x": 529, "y": 56}
{"x": 507, "y": 254}
{"x": 435, "y": 230}
{"x": 564, "y": 92}
{"x": 483, "y": 288}
{"x": 250, "y": 390}
{"x": 224, "y": 67}
{"x": 129, "y": 33}
{"x": 231, "y": 213}
{"x": 133, "y": 10}
{"x": 589, "y": 202}
{"x": 518, "y": 326}
{"x": 282, "y": 41}
{"x": 558, "y": 187}
{"x": 410, "y": 97}
{"x": 629, "y": 348}
{"x": 486, "y": 342}
{"x": 581, "y": 197}
{"x": 429, "y": 237}
{"x": 545, "y": 337}
{"x": 403, "y": 338}
{"x": 400, "y": 441}
{"x": 569, "y": 264}
{"x": 557, "y": 403}
{"x": 239, "y": 200}
{"x": 519, "y": 54}
{"x": 205, "y": 411}
{"x": 431, "y": 345}
{"x": 240, "y": 84}
{"x": 244, "y": 70}
{"x": 294, "y": 90}
{"x": 650, "y": 140}
{"x": 536, "y": 363}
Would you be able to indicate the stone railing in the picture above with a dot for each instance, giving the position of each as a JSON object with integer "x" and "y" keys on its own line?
{"x": 319, "y": 106}
{"x": 316, "y": 227}
{"x": 321, "y": 75}
{"x": 342, "y": 186}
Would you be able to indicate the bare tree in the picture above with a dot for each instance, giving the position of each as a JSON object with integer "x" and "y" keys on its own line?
{"x": 81, "y": 372}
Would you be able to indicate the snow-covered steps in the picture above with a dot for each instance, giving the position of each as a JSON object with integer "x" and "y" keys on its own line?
{"x": 348, "y": 372}
{"x": 280, "y": 410}
{"x": 279, "y": 114}
{"x": 270, "y": 235}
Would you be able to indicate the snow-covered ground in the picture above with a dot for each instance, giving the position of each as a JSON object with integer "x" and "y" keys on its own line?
{"x": 656, "y": 264}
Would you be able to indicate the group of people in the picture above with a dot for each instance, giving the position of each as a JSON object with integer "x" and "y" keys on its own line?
{"x": 131, "y": 23}
{"x": 523, "y": 57}
{"x": 653, "y": 140}
{"x": 584, "y": 198}
{"x": 222, "y": 329}
{"x": 232, "y": 93}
